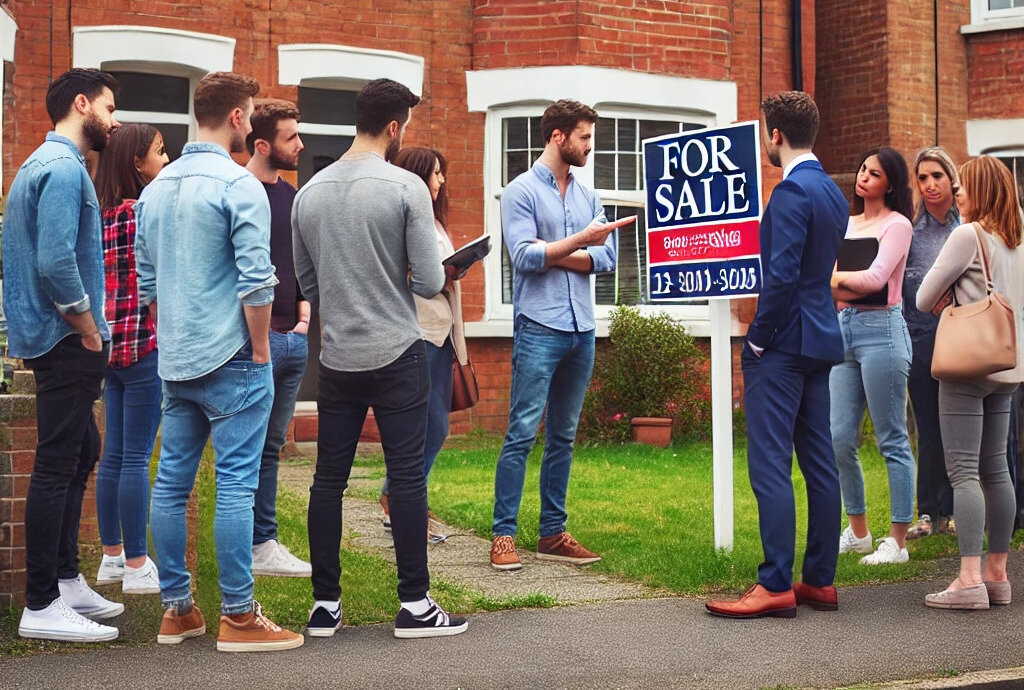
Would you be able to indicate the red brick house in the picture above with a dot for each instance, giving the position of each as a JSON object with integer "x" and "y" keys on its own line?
{"x": 911, "y": 74}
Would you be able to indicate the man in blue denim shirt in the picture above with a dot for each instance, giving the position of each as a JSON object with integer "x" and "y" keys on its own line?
{"x": 54, "y": 299}
{"x": 556, "y": 235}
{"x": 203, "y": 259}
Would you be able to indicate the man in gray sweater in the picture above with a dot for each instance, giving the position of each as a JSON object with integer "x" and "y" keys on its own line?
{"x": 364, "y": 242}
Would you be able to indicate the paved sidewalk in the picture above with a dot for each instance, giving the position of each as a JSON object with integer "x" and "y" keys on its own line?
{"x": 881, "y": 633}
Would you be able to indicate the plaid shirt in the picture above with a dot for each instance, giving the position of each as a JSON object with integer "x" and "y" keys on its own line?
{"x": 132, "y": 332}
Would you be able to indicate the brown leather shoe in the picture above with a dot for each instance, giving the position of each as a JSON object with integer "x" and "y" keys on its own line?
{"x": 820, "y": 598}
{"x": 254, "y": 632}
{"x": 756, "y": 602}
{"x": 504, "y": 555}
{"x": 175, "y": 627}
{"x": 562, "y": 547}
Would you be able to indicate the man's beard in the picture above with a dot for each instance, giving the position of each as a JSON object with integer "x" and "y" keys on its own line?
{"x": 773, "y": 157}
{"x": 237, "y": 143}
{"x": 394, "y": 146}
{"x": 279, "y": 162}
{"x": 96, "y": 133}
{"x": 573, "y": 157}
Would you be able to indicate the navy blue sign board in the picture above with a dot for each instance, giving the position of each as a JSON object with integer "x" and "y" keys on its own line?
{"x": 703, "y": 213}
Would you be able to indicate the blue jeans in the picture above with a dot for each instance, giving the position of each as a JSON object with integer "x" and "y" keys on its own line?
{"x": 875, "y": 371}
{"x": 439, "y": 365}
{"x": 288, "y": 352}
{"x": 552, "y": 368}
{"x": 132, "y": 399}
{"x": 232, "y": 405}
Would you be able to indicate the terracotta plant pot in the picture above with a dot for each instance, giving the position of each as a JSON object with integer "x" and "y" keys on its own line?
{"x": 653, "y": 431}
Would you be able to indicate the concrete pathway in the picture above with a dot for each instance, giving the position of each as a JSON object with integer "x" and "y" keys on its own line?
{"x": 464, "y": 558}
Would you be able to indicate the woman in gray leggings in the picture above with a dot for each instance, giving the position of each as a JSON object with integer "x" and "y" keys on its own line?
{"x": 974, "y": 413}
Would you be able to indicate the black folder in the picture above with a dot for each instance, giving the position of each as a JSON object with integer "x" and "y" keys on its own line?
{"x": 857, "y": 254}
{"x": 469, "y": 254}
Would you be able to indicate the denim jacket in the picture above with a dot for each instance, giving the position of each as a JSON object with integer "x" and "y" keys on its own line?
{"x": 202, "y": 250}
{"x": 52, "y": 249}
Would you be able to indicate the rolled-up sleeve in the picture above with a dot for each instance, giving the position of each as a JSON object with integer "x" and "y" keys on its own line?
{"x": 248, "y": 212}
{"x": 603, "y": 257}
{"x": 519, "y": 226}
{"x": 144, "y": 269}
{"x": 59, "y": 215}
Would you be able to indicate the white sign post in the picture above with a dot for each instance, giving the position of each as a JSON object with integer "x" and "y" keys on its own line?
{"x": 703, "y": 205}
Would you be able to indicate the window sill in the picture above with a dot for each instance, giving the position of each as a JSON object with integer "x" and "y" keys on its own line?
{"x": 1007, "y": 24}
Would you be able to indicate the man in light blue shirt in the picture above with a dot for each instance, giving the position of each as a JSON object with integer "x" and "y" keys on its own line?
{"x": 557, "y": 237}
{"x": 54, "y": 299}
{"x": 203, "y": 260}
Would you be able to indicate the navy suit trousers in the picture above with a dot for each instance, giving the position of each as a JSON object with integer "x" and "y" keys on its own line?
{"x": 786, "y": 398}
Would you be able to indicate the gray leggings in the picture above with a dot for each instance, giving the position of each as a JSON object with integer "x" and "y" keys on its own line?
{"x": 974, "y": 418}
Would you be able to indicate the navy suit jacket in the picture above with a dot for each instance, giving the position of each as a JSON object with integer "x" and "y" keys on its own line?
{"x": 801, "y": 229}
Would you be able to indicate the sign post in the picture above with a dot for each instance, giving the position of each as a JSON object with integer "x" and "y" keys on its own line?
{"x": 703, "y": 218}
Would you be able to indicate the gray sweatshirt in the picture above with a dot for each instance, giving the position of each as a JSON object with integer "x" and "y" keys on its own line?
{"x": 364, "y": 242}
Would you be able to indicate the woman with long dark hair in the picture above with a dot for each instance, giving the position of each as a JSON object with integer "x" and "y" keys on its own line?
{"x": 877, "y": 356}
{"x": 974, "y": 414}
{"x": 132, "y": 158}
{"x": 440, "y": 319}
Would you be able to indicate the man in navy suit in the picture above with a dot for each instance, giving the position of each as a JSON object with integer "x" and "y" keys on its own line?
{"x": 791, "y": 346}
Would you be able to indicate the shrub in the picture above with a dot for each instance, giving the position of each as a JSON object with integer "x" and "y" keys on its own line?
{"x": 650, "y": 367}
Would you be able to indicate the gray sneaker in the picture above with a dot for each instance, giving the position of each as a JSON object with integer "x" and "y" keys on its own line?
{"x": 272, "y": 559}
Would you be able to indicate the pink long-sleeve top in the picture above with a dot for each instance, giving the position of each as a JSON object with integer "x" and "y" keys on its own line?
{"x": 894, "y": 233}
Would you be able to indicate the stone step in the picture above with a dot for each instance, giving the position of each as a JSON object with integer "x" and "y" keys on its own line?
{"x": 24, "y": 382}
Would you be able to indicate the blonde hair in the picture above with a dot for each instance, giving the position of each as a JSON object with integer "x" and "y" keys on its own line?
{"x": 993, "y": 196}
{"x": 938, "y": 155}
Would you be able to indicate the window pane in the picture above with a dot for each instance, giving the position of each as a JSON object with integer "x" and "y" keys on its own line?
{"x": 536, "y": 137}
{"x": 515, "y": 165}
{"x": 515, "y": 133}
{"x": 155, "y": 93}
{"x": 627, "y": 135}
{"x": 175, "y": 137}
{"x": 506, "y": 274}
{"x": 604, "y": 170}
{"x": 604, "y": 135}
{"x": 1016, "y": 166}
{"x": 327, "y": 106}
{"x": 657, "y": 128}
{"x": 319, "y": 152}
{"x": 628, "y": 164}
{"x": 999, "y": 4}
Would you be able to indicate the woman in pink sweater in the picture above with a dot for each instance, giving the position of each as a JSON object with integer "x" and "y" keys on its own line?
{"x": 878, "y": 353}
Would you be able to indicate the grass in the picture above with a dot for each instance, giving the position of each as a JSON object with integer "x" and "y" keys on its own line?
{"x": 648, "y": 512}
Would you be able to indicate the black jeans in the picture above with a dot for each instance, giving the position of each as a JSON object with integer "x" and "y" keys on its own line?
{"x": 68, "y": 380}
{"x": 934, "y": 493}
{"x": 398, "y": 394}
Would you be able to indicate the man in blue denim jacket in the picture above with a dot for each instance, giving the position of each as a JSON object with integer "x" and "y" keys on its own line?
{"x": 54, "y": 299}
{"x": 203, "y": 260}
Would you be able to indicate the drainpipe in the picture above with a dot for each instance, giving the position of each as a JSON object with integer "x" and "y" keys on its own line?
{"x": 797, "y": 47}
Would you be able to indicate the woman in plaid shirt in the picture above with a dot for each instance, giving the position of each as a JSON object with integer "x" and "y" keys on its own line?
{"x": 134, "y": 156}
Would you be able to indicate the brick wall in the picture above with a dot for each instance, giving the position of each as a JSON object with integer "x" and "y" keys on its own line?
{"x": 996, "y": 74}
{"x": 17, "y": 453}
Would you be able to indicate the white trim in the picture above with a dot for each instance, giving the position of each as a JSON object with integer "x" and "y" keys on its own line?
{"x": 984, "y": 136}
{"x": 486, "y": 89}
{"x": 8, "y": 31}
{"x": 153, "y": 49}
{"x": 984, "y": 19}
{"x": 155, "y": 118}
{"x": 698, "y": 326}
{"x": 327, "y": 130}
{"x": 346, "y": 67}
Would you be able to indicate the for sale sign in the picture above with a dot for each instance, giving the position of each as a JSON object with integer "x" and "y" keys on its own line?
{"x": 703, "y": 213}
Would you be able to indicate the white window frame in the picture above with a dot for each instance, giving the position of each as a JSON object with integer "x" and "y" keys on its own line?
{"x": 527, "y": 92}
{"x": 154, "y": 50}
{"x": 983, "y": 19}
{"x": 345, "y": 68}
{"x": 996, "y": 136}
{"x": 8, "y": 34}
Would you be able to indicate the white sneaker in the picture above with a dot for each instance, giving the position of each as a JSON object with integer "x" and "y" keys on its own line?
{"x": 111, "y": 570}
{"x": 849, "y": 542}
{"x": 58, "y": 621}
{"x": 142, "y": 580}
{"x": 77, "y": 594}
{"x": 274, "y": 560}
{"x": 888, "y": 551}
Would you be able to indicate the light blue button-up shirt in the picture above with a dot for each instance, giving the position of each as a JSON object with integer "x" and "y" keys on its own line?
{"x": 52, "y": 249}
{"x": 533, "y": 213}
{"x": 202, "y": 250}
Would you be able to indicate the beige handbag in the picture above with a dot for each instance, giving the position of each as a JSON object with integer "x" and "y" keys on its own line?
{"x": 978, "y": 339}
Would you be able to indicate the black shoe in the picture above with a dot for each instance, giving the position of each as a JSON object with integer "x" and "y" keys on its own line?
{"x": 323, "y": 623}
{"x": 434, "y": 623}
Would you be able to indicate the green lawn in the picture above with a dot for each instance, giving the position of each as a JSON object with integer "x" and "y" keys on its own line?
{"x": 648, "y": 512}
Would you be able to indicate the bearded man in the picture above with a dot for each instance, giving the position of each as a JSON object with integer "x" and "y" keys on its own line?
{"x": 54, "y": 298}
{"x": 557, "y": 236}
